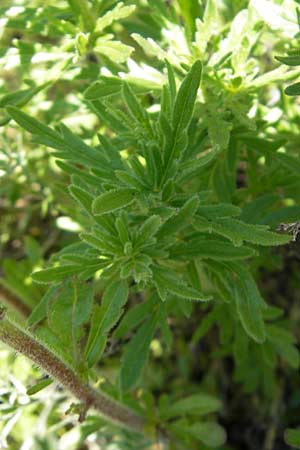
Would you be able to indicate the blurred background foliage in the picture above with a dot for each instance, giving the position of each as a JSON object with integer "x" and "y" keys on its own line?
{"x": 50, "y": 54}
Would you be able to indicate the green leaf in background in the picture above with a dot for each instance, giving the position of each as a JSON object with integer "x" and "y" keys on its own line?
{"x": 103, "y": 87}
{"x": 117, "y": 13}
{"x": 113, "y": 301}
{"x": 40, "y": 311}
{"x": 69, "y": 311}
{"x": 197, "y": 404}
{"x": 249, "y": 304}
{"x": 210, "y": 433}
{"x": 292, "y": 437}
{"x": 114, "y": 50}
{"x": 137, "y": 351}
{"x": 284, "y": 343}
{"x": 32, "y": 125}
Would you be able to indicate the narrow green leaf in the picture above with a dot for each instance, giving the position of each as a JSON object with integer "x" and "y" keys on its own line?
{"x": 197, "y": 404}
{"x": 102, "y": 88}
{"x": 136, "y": 353}
{"x": 113, "y": 301}
{"x": 208, "y": 248}
{"x": 217, "y": 211}
{"x": 291, "y": 60}
{"x": 39, "y": 386}
{"x": 40, "y": 311}
{"x": 167, "y": 282}
{"x": 182, "y": 219}
{"x": 113, "y": 200}
{"x": 82, "y": 197}
{"x": 55, "y": 274}
{"x": 186, "y": 97}
{"x": 293, "y": 89}
{"x": 115, "y": 14}
{"x": 134, "y": 316}
{"x": 135, "y": 107}
{"x": 100, "y": 244}
{"x": 148, "y": 230}
{"x": 172, "y": 83}
{"x": 32, "y": 125}
{"x": 249, "y": 304}
{"x": 238, "y": 232}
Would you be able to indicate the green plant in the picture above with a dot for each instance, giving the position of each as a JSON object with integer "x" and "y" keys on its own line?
{"x": 166, "y": 178}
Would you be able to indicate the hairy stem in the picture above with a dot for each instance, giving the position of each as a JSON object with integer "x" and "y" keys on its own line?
{"x": 22, "y": 342}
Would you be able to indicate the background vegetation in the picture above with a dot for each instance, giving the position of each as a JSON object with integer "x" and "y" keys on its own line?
{"x": 150, "y": 188}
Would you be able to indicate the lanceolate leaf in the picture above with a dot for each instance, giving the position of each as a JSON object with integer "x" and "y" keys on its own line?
{"x": 182, "y": 114}
{"x": 32, "y": 125}
{"x": 166, "y": 282}
{"x": 186, "y": 97}
{"x": 113, "y": 301}
{"x": 238, "y": 232}
{"x": 249, "y": 303}
{"x": 113, "y": 200}
{"x": 208, "y": 248}
{"x": 55, "y": 274}
{"x": 197, "y": 404}
{"x": 136, "y": 352}
{"x": 293, "y": 89}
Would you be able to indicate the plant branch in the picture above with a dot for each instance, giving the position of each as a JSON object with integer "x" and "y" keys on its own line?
{"x": 22, "y": 342}
{"x": 14, "y": 302}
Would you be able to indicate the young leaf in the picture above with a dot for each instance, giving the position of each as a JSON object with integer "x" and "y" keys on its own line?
{"x": 182, "y": 219}
{"x": 113, "y": 200}
{"x": 148, "y": 230}
{"x": 182, "y": 114}
{"x": 186, "y": 97}
{"x": 113, "y": 301}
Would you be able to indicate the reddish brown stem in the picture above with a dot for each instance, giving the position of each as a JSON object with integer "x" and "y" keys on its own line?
{"x": 22, "y": 342}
